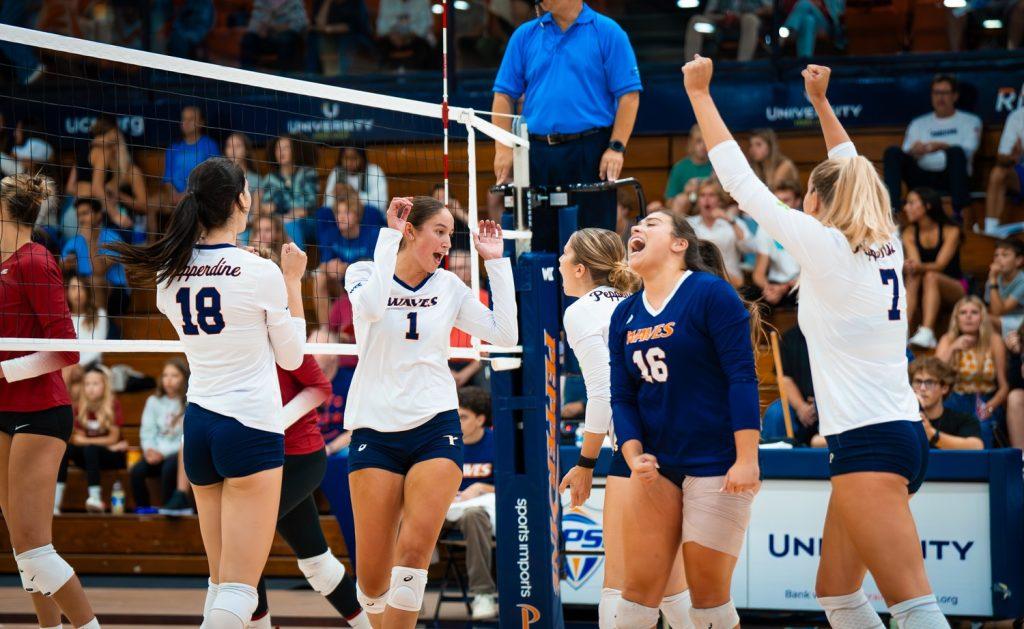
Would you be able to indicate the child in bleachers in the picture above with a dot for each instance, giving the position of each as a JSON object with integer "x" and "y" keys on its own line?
{"x": 160, "y": 434}
{"x": 977, "y": 353}
{"x": 1004, "y": 290}
{"x": 946, "y": 428}
{"x": 768, "y": 162}
{"x": 89, "y": 317}
{"x": 96, "y": 443}
{"x": 87, "y": 255}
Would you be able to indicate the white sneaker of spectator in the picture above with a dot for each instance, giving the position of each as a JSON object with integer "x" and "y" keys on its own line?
{"x": 923, "y": 338}
{"x": 94, "y": 504}
{"x": 484, "y": 607}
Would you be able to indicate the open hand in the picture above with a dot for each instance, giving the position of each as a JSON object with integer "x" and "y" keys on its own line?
{"x": 398, "y": 213}
{"x": 578, "y": 481}
{"x": 489, "y": 241}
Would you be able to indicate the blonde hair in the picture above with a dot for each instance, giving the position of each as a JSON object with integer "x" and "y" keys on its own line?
{"x": 854, "y": 201}
{"x": 104, "y": 409}
{"x": 23, "y": 195}
{"x": 712, "y": 182}
{"x": 765, "y": 170}
{"x": 985, "y": 330}
{"x": 601, "y": 251}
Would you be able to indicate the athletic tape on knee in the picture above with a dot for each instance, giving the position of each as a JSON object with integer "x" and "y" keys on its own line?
{"x": 919, "y": 613}
{"x": 606, "y": 608}
{"x": 44, "y": 569}
{"x": 630, "y": 615}
{"x": 323, "y": 572}
{"x": 237, "y": 599}
{"x": 407, "y": 588}
{"x": 721, "y": 617}
{"x": 211, "y": 595}
{"x": 850, "y": 611}
{"x": 92, "y": 624}
{"x": 371, "y": 604}
{"x": 677, "y": 610}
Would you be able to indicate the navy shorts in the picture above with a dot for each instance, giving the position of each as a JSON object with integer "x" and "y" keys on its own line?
{"x": 439, "y": 438}
{"x": 219, "y": 447}
{"x": 899, "y": 447}
{"x": 618, "y": 466}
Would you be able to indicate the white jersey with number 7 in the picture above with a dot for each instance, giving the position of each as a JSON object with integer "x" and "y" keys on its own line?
{"x": 852, "y": 304}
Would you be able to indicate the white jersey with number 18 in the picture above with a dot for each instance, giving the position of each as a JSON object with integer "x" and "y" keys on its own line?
{"x": 852, "y": 304}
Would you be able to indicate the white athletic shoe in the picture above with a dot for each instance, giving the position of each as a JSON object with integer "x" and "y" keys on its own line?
{"x": 924, "y": 338}
{"x": 95, "y": 505}
{"x": 484, "y": 607}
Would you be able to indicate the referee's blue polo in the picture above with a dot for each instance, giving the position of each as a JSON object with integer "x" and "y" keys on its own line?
{"x": 572, "y": 79}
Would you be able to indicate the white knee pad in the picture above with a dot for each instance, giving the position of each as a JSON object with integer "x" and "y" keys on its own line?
{"x": 606, "y": 608}
{"x": 677, "y": 610}
{"x": 211, "y": 596}
{"x": 371, "y": 604}
{"x": 233, "y": 606}
{"x": 721, "y": 617}
{"x": 630, "y": 615}
{"x": 850, "y": 611}
{"x": 43, "y": 569}
{"x": 407, "y": 588}
{"x": 92, "y": 624}
{"x": 324, "y": 572}
{"x": 919, "y": 613}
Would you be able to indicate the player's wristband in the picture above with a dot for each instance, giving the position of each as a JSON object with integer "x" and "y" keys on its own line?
{"x": 587, "y": 462}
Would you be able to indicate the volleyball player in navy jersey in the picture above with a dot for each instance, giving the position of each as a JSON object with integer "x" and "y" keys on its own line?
{"x": 405, "y": 459}
{"x": 237, "y": 315}
{"x": 594, "y": 270}
{"x": 685, "y": 410}
{"x": 35, "y": 410}
{"x": 852, "y": 306}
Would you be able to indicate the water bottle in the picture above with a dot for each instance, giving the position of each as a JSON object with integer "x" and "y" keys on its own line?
{"x": 579, "y": 435}
{"x": 117, "y": 499}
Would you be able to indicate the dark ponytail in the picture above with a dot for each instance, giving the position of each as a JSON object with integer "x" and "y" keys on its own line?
{"x": 210, "y": 201}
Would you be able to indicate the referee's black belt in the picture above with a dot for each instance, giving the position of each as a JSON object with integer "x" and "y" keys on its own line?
{"x": 561, "y": 138}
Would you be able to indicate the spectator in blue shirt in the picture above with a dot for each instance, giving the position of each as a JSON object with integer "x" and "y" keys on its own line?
{"x": 345, "y": 235}
{"x": 193, "y": 149}
{"x": 86, "y": 255}
{"x": 577, "y": 73}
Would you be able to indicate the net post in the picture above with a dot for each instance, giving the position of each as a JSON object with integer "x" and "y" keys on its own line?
{"x": 521, "y": 181}
{"x": 527, "y": 471}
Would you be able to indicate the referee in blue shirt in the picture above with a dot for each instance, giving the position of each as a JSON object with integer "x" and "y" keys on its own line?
{"x": 577, "y": 74}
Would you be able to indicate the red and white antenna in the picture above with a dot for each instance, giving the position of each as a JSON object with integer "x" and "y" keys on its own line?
{"x": 444, "y": 93}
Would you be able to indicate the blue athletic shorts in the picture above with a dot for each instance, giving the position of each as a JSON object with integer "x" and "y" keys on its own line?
{"x": 618, "y": 466}
{"x": 900, "y": 447}
{"x": 219, "y": 447}
{"x": 439, "y": 438}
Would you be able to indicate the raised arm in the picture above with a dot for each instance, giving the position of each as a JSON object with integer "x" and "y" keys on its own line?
{"x": 280, "y": 295}
{"x": 498, "y": 326}
{"x": 368, "y": 291}
{"x": 816, "y": 83}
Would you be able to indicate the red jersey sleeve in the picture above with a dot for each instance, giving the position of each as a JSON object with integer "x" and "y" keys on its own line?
{"x": 44, "y": 291}
{"x": 310, "y": 376}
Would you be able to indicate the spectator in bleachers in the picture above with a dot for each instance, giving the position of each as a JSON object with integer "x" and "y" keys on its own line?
{"x": 687, "y": 173}
{"x": 191, "y": 23}
{"x": 278, "y": 28}
{"x": 96, "y": 443}
{"x": 1004, "y": 290}
{"x": 290, "y": 188}
{"x": 346, "y": 25}
{"x": 87, "y": 255}
{"x": 460, "y": 238}
{"x": 809, "y": 19}
{"x": 332, "y": 412}
{"x": 1008, "y": 171}
{"x": 343, "y": 238}
{"x": 719, "y": 15}
{"x": 1015, "y": 401}
{"x": 193, "y": 149}
{"x": 109, "y": 174}
{"x": 978, "y": 355}
{"x": 727, "y": 232}
{"x": 405, "y": 29}
{"x": 775, "y": 271}
{"x": 354, "y": 169}
{"x": 626, "y": 212}
{"x": 88, "y": 316}
{"x": 976, "y": 12}
{"x": 476, "y": 521}
{"x": 931, "y": 268}
{"x": 267, "y": 234}
{"x": 463, "y": 370}
{"x": 160, "y": 434}
{"x": 767, "y": 160}
{"x": 938, "y": 148}
{"x": 238, "y": 148}
{"x": 31, "y": 150}
{"x": 946, "y": 428}
{"x": 799, "y": 388}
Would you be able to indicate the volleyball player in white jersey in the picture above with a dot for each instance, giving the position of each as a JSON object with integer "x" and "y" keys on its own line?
{"x": 852, "y": 310}
{"x": 405, "y": 459}
{"x": 593, "y": 269}
{"x": 236, "y": 314}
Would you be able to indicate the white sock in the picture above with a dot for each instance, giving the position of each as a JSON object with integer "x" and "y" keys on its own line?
{"x": 676, "y": 609}
{"x": 919, "y": 613}
{"x": 606, "y": 608}
{"x": 95, "y": 492}
{"x": 360, "y": 621}
{"x": 58, "y": 495}
{"x": 92, "y": 624}
{"x": 211, "y": 595}
{"x": 850, "y": 611}
{"x": 991, "y": 223}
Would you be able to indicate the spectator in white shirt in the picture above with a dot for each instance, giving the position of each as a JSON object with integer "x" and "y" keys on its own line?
{"x": 355, "y": 169}
{"x": 776, "y": 272}
{"x": 31, "y": 150}
{"x": 406, "y": 32}
{"x": 938, "y": 148}
{"x": 1008, "y": 172}
{"x": 716, "y": 225}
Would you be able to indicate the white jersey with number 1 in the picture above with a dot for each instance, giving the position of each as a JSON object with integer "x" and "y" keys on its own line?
{"x": 230, "y": 309}
{"x": 852, "y": 304}
{"x": 403, "y": 335}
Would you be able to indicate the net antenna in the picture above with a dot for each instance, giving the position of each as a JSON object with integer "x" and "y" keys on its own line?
{"x": 443, "y": 111}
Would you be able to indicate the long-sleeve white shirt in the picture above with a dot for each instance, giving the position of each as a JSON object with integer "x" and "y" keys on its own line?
{"x": 403, "y": 333}
{"x": 374, "y": 192}
{"x": 961, "y": 129}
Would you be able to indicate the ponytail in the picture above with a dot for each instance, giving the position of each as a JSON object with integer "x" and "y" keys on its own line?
{"x": 624, "y": 279}
{"x": 854, "y": 201}
{"x": 214, "y": 188}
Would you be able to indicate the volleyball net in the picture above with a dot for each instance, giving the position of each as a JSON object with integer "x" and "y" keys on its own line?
{"x": 117, "y": 130}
